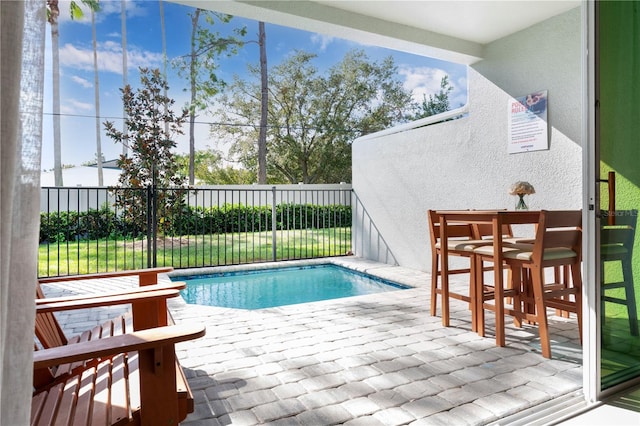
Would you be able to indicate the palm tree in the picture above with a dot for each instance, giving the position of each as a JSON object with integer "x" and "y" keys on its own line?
{"x": 264, "y": 104}
{"x": 123, "y": 16}
{"x": 52, "y": 16}
{"x": 96, "y": 86}
{"x": 53, "y": 12}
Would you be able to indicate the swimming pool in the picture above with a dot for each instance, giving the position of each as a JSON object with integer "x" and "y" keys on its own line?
{"x": 269, "y": 288}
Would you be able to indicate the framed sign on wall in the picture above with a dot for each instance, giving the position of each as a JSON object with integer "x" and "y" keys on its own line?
{"x": 528, "y": 123}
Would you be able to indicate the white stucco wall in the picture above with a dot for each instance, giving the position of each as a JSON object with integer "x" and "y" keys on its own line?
{"x": 464, "y": 163}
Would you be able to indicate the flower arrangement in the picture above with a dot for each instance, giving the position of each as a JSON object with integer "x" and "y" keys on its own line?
{"x": 524, "y": 188}
{"x": 521, "y": 189}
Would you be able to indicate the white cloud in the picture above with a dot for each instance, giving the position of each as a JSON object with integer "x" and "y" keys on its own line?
{"x": 81, "y": 81}
{"x": 322, "y": 40}
{"x": 73, "y": 106}
{"x": 109, "y": 57}
{"x": 423, "y": 81}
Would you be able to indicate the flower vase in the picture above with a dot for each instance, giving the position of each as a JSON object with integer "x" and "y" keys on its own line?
{"x": 521, "y": 204}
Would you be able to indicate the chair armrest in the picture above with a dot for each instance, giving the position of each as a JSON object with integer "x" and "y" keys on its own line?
{"x": 115, "y": 274}
{"x": 178, "y": 285}
{"x": 136, "y": 341}
{"x": 98, "y": 301}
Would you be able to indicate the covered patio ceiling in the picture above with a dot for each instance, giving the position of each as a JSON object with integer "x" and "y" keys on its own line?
{"x": 451, "y": 30}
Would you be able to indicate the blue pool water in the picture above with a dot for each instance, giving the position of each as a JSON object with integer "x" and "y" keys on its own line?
{"x": 268, "y": 288}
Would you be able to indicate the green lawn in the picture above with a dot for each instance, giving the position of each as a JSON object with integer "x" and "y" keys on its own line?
{"x": 92, "y": 256}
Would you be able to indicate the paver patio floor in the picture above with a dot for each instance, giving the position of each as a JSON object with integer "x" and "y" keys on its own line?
{"x": 378, "y": 359}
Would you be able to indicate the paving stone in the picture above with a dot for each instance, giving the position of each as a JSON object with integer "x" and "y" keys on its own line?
{"x": 397, "y": 364}
{"x": 360, "y": 373}
{"x": 394, "y": 416}
{"x": 290, "y": 376}
{"x": 202, "y": 411}
{"x": 299, "y": 362}
{"x": 233, "y": 376}
{"x": 356, "y": 389}
{"x": 419, "y": 372}
{"x": 288, "y": 421}
{"x": 289, "y": 390}
{"x": 418, "y": 389}
{"x": 536, "y": 371}
{"x": 323, "y": 382}
{"x": 365, "y": 421}
{"x": 278, "y": 409}
{"x": 223, "y": 390}
{"x": 362, "y": 406}
{"x": 529, "y": 394}
{"x": 446, "y": 381}
{"x": 388, "y": 398}
{"x": 219, "y": 407}
{"x": 324, "y": 398}
{"x": 555, "y": 385}
{"x": 321, "y": 369}
{"x": 511, "y": 380}
{"x": 426, "y": 406}
{"x": 333, "y": 414}
{"x": 500, "y": 404}
{"x": 269, "y": 368}
{"x": 249, "y": 400}
{"x": 472, "y": 412}
{"x": 446, "y": 418}
{"x": 387, "y": 381}
{"x": 473, "y": 374}
{"x": 244, "y": 417}
{"x": 261, "y": 382}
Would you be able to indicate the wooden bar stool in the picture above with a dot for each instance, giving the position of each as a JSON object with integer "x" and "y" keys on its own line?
{"x": 460, "y": 243}
{"x": 558, "y": 243}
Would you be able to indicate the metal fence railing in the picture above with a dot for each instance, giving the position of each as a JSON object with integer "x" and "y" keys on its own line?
{"x": 90, "y": 230}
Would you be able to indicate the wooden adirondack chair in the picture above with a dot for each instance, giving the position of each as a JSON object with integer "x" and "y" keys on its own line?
{"x": 131, "y": 381}
{"x": 58, "y": 378}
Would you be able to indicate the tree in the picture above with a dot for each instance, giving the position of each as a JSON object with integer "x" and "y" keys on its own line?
{"x": 264, "y": 105}
{"x": 96, "y": 88}
{"x": 437, "y": 103}
{"x": 150, "y": 161}
{"x": 125, "y": 65}
{"x": 53, "y": 12}
{"x": 200, "y": 65}
{"x": 210, "y": 170}
{"x": 163, "y": 33}
{"x": 313, "y": 118}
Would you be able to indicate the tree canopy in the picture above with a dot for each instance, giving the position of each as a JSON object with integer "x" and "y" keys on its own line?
{"x": 437, "y": 103}
{"x": 211, "y": 170}
{"x": 313, "y": 117}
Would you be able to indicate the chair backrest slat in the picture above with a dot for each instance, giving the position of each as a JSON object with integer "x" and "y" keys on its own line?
{"x": 48, "y": 330}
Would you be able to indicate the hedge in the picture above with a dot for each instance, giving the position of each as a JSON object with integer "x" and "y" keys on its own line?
{"x": 186, "y": 220}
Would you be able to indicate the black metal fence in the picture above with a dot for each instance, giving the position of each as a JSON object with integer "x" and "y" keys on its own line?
{"x": 92, "y": 230}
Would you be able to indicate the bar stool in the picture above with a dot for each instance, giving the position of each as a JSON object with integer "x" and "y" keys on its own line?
{"x": 616, "y": 245}
{"x": 558, "y": 243}
{"x": 461, "y": 243}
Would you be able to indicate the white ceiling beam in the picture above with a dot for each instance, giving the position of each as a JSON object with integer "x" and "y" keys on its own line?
{"x": 324, "y": 19}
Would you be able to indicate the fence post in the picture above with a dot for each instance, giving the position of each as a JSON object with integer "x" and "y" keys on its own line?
{"x": 154, "y": 223}
{"x": 149, "y": 226}
{"x": 274, "y": 224}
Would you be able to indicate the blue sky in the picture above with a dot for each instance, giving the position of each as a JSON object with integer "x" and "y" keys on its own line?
{"x": 421, "y": 75}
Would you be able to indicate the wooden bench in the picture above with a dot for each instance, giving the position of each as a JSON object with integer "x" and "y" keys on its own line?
{"x": 149, "y": 310}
